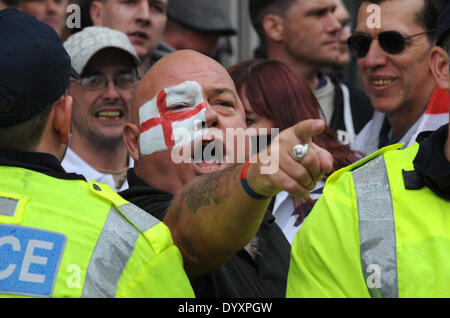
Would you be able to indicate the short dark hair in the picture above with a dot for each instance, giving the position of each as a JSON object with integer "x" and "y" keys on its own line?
{"x": 426, "y": 17}
{"x": 445, "y": 43}
{"x": 258, "y": 9}
{"x": 23, "y": 136}
{"x": 11, "y": 2}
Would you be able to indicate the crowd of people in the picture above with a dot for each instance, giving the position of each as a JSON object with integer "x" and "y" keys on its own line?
{"x": 292, "y": 182}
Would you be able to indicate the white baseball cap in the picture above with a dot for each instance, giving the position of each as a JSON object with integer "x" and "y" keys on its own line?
{"x": 82, "y": 45}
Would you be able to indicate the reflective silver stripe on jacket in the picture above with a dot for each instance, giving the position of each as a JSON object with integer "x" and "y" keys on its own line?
{"x": 376, "y": 228}
{"x": 139, "y": 217}
{"x": 113, "y": 250}
{"x": 8, "y": 206}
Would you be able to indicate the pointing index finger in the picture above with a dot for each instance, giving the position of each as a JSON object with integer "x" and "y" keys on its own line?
{"x": 306, "y": 129}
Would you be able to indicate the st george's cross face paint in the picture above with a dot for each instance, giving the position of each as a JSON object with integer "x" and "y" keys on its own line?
{"x": 175, "y": 121}
{"x": 180, "y": 107}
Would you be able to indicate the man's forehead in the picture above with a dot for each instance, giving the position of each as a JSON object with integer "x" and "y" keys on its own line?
{"x": 208, "y": 79}
{"x": 207, "y": 89}
{"x": 181, "y": 66}
{"x": 212, "y": 80}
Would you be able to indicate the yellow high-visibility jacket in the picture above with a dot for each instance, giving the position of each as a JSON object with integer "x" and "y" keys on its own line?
{"x": 69, "y": 238}
{"x": 369, "y": 236}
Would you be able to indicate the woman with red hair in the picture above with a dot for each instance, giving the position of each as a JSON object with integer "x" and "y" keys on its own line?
{"x": 276, "y": 96}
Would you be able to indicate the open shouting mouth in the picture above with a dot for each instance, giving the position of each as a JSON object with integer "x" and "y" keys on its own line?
{"x": 209, "y": 154}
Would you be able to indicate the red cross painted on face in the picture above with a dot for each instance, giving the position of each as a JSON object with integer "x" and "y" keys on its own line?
{"x": 159, "y": 113}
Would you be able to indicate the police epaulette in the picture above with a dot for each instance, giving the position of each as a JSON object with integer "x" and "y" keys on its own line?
{"x": 413, "y": 180}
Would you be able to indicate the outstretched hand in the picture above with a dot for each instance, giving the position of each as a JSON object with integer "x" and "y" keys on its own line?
{"x": 213, "y": 217}
{"x": 298, "y": 177}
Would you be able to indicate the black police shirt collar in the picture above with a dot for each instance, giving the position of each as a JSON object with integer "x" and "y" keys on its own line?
{"x": 432, "y": 168}
{"x": 37, "y": 161}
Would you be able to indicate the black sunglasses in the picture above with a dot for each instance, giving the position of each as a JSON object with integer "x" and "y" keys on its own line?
{"x": 392, "y": 42}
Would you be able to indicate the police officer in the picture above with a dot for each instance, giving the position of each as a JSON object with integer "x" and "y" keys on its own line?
{"x": 382, "y": 226}
{"x": 59, "y": 235}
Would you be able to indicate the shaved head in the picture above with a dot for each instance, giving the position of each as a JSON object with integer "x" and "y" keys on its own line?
{"x": 176, "y": 68}
{"x": 185, "y": 76}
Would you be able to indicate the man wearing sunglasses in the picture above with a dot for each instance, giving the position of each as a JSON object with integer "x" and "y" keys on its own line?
{"x": 381, "y": 227}
{"x": 107, "y": 64}
{"x": 394, "y": 68}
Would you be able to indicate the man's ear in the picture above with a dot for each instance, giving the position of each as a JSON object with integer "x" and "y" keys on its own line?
{"x": 439, "y": 67}
{"x": 61, "y": 123}
{"x": 131, "y": 139}
{"x": 274, "y": 27}
{"x": 96, "y": 12}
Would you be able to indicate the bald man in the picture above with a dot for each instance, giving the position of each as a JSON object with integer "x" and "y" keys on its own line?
{"x": 218, "y": 205}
